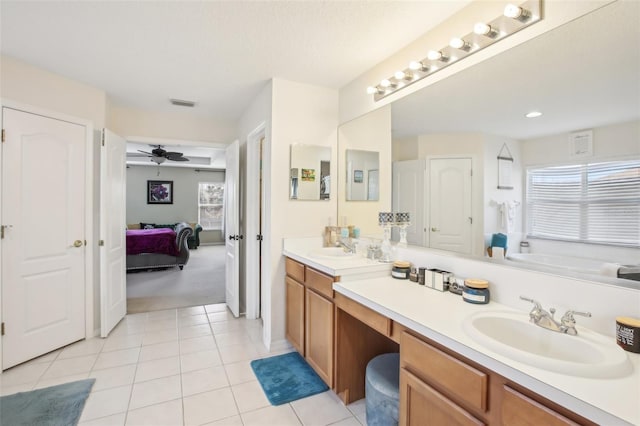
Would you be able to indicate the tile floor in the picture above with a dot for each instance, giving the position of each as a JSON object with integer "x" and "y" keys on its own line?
{"x": 186, "y": 366}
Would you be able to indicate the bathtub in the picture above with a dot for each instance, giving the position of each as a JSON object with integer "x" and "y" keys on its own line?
{"x": 576, "y": 264}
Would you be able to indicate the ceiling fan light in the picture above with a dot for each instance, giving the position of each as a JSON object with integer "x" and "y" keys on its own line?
{"x": 158, "y": 160}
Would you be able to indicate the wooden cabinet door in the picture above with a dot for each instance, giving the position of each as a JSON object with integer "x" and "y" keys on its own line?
{"x": 520, "y": 410}
{"x": 420, "y": 404}
{"x": 319, "y": 335}
{"x": 295, "y": 314}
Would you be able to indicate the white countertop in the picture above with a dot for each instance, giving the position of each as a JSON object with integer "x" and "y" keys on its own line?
{"x": 439, "y": 317}
{"x": 356, "y": 267}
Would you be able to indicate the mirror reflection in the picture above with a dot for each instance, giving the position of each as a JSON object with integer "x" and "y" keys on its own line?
{"x": 309, "y": 177}
{"x": 362, "y": 175}
{"x": 470, "y": 117}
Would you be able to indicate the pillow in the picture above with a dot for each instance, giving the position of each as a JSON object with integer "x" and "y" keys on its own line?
{"x": 147, "y": 225}
{"x": 168, "y": 225}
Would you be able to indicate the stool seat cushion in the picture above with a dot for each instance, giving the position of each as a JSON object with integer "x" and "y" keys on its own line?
{"x": 382, "y": 390}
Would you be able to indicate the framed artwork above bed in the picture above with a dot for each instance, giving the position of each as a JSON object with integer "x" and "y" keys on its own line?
{"x": 159, "y": 192}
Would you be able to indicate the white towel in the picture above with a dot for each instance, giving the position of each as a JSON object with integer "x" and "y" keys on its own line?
{"x": 497, "y": 252}
{"x": 610, "y": 269}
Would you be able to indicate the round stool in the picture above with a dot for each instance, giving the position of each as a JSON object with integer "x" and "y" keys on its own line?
{"x": 382, "y": 390}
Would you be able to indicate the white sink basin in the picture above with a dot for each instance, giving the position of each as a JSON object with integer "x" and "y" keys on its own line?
{"x": 510, "y": 334}
{"x": 336, "y": 253}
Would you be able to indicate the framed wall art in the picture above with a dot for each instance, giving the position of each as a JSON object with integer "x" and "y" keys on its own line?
{"x": 159, "y": 192}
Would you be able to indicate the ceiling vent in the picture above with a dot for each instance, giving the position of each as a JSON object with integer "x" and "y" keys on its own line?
{"x": 180, "y": 102}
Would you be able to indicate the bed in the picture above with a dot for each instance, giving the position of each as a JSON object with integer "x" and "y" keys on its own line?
{"x": 158, "y": 248}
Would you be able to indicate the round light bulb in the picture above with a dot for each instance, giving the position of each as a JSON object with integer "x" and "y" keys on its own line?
{"x": 415, "y": 65}
{"x": 512, "y": 11}
{"x": 385, "y": 83}
{"x": 481, "y": 28}
{"x": 533, "y": 114}
{"x": 399, "y": 75}
{"x": 457, "y": 43}
{"x": 434, "y": 55}
{"x": 371, "y": 90}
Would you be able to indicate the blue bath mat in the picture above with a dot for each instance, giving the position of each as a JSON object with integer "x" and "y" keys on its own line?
{"x": 286, "y": 378}
{"x": 55, "y": 405}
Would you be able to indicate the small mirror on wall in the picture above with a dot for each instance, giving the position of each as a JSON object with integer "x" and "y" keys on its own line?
{"x": 309, "y": 172}
{"x": 362, "y": 175}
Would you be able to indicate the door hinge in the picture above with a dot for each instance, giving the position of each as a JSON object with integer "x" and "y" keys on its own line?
{"x": 2, "y": 330}
{"x": 471, "y": 172}
{"x": 101, "y": 243}
{"x": 1, "y": 232}
{"x": 259, "y": 237}
{"x": 102, "y": 138}
{"x": 2, "y": 135}
{"x": 470, "y": 220}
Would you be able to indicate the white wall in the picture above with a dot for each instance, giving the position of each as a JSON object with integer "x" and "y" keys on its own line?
{"x": 25, "y": 83}
{"x": 617, "y": 141}
{"x": 301, "y": 114}
{"x": 371, "y": 132}
{"x": 354, "y": 101}
{"x": 179, "y": 125}
{"x": 494, "y": 196}
{"x": 185, "y": 193}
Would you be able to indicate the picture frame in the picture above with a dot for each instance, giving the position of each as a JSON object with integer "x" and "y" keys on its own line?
{"x": 358, "y": 176}
{"x": 159, "y": 192}
{"x": 505, "y": 168}
{"x": 308, "y": 175}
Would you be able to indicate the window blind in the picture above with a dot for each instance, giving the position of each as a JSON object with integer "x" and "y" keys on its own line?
{"x": 596, "y": 203}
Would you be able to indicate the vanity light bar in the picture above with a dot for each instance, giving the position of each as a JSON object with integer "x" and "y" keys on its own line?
{"x": 515, "y": 18}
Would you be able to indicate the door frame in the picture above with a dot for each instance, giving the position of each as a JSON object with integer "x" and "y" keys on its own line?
{"x": 90, "y": 261}
{"x": 252, "y": 167}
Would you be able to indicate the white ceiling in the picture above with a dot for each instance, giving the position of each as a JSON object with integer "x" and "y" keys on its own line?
{"x": 584, "y": 74}
{"x": 216, "y": 53}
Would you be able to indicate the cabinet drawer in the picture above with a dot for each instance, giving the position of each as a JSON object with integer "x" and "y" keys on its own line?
{"x": 294, "y": 269}
{"x": 320, "y": 282}
{"x": 519, "y": 409}
{"x": 445, "y": 372}
{"x": 378, "y": 322}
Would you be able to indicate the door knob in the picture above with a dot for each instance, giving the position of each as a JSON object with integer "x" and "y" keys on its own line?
{"x": 434, "y": 229}
{"x": 77, "y": 243}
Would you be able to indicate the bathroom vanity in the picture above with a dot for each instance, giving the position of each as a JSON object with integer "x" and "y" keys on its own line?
{"x": 446, "y": 376}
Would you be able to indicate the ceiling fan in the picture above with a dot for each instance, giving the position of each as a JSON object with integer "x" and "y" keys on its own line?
{"x": 159, "y": 155}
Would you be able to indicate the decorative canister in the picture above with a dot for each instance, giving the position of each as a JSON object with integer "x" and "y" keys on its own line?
{"x": 476, "y": 291}
{"x": 401, "y": 270}
{"x": 628, "y": 334}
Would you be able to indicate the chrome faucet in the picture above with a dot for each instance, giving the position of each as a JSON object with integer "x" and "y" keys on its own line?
{"x": 349, "y": 247}
{"x": 545, "y": 319}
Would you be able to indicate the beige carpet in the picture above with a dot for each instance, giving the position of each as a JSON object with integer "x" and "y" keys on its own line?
{"x": 201, "y": 282}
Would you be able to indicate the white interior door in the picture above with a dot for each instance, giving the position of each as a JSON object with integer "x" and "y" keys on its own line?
{"x": 113, "y": 250}
{"x": 231, "y": 228}
{"x": 43, "y": 219}
{"x": 450, "y": 219}
{"x": 408, "y": 196}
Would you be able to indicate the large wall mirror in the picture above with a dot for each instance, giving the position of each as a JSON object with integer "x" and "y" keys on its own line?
{"x": 309, "y": 172}
{"x": 579, "y": 78}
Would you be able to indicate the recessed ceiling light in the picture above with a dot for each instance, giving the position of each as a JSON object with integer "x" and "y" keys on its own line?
{"x": 533, "y": 114}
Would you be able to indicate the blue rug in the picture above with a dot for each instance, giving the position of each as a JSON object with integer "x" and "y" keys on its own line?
{"x": 286, "y": 378}
{"x": 56, "y": 405}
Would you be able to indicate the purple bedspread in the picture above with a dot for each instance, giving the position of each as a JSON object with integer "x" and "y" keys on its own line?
{"x": 160, "y": 240}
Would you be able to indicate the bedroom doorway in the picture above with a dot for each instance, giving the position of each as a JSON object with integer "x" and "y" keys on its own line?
{"x": 202, "y": 279}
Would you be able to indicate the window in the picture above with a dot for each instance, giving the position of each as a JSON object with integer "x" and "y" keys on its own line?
{"x": 595, "y": 203}
{"x": 210, "y": 205}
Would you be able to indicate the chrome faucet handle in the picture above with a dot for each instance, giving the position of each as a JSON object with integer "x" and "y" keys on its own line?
{"x": 536, "y": 305}
{"x": 568, "y": 316}
{"x": 568, "y": 322}
{"x": 536, "y": 311}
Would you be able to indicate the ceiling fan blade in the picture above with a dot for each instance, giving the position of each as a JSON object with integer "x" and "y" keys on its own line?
{"x": 145, "y": 152}
{"x": 135, "y": 154}
{"x": 174, "y": 158}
